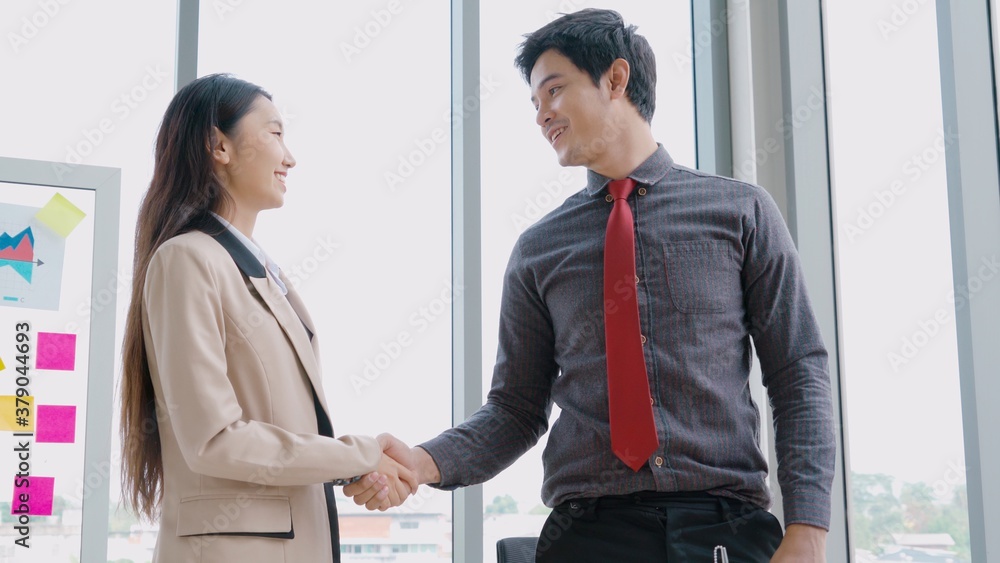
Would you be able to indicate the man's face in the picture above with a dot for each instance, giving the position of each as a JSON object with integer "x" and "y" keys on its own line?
{"x": 574, "y": 115}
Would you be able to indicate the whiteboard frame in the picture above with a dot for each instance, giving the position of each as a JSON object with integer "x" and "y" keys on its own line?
{"x": 106, "y": 185}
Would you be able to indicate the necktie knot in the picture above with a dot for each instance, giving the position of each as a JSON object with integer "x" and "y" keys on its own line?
{"x": 619, "y": 189}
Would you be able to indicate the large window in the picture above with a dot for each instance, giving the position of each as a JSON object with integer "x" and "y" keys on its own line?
{"x": 366, "y": 231}
{"x": 366, "y": 227}
{"x": 87, "y": 83}
{"x": 522, "y": 181}
{"x": 899, "y": 355}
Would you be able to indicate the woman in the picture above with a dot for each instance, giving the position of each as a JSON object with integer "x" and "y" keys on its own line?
{"x": 225, "y": 429}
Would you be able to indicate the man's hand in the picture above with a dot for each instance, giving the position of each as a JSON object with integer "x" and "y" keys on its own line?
{"x": 390, "y": 484}
{"x": 397, "y": 450}
{"x": 802, "y": 543}
{"x": 372, "y": 490}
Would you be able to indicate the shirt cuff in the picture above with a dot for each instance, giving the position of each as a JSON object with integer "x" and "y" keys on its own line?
{"x": 812, "y": 508}
{"x": 446, "y": 461}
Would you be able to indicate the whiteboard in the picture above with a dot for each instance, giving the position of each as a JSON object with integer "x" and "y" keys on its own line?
{"x": 59, "y": 285}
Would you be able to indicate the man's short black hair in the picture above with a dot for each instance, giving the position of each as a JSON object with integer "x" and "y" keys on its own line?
{"x": 592, "y": 39}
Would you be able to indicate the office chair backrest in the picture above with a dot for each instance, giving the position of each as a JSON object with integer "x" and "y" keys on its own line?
{"x": 516, "y": 550}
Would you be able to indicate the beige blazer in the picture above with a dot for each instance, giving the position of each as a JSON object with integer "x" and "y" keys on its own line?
{"x": 241, "y": 411}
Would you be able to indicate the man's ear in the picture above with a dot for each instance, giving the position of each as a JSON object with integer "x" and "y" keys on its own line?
{"x": 221, "y": 148}
{"x": 617, "y": 77}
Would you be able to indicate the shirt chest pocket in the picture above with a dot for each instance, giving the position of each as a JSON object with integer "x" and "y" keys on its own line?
{"x": 702, "y": 276}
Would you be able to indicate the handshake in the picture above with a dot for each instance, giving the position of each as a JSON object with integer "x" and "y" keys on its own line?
{"x": 400, "y": 471}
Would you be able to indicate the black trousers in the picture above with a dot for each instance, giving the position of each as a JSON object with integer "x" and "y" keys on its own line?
{"x": 657, "y": 527}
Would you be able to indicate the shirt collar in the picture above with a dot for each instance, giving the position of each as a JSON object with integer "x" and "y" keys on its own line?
{"x": 651, "y": 171}
{"x": 247, "y": 242}
{"x": 265, "y": 260}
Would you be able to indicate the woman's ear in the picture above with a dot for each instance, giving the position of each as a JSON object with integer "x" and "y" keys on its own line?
{"x": 221, "y": 148}
{"x": 618, "y": 76}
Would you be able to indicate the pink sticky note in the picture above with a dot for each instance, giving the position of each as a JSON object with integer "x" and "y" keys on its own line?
{"x": 55, "y": 424}
{"x": 56, "y": 351}
{"x": 39, "y": 496}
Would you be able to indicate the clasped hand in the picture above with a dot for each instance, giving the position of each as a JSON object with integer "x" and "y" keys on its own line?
{"x": 391, "y": 483}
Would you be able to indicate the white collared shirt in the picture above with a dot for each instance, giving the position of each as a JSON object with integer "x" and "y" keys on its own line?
{"x": 270, "y": 265}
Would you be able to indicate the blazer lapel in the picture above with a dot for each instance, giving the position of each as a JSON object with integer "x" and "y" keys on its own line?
{"x": 292, "y": 325}
{"x": 295, "y": 323}
{"x": 300, "y": 309}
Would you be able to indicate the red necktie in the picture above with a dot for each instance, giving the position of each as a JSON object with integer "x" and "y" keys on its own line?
{"x": 633, "y": 432}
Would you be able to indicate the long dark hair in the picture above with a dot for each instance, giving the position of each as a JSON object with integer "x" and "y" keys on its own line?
{"x": 183, "y": 191}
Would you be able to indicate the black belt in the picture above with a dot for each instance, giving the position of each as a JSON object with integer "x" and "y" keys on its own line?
{"x": 728, "y": 507}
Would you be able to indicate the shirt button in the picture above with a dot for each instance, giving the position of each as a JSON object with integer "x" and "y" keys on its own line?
{"x": 609, "y": 198}
{"x": 643, "y": 337}
{"x": 642, "y": 191}
{"x": 658, "y": 461}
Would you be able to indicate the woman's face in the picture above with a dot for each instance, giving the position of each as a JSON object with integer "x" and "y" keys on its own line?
{"x": 257, "y": 159}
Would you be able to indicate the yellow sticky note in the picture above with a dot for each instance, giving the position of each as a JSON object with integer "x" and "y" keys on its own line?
{"x": 17, "y": 414}
{"x": 60, "y": 215}
{"x": 2, "y": 367}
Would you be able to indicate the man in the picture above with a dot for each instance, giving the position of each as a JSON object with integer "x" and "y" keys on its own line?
{"x": 632, "y": 306}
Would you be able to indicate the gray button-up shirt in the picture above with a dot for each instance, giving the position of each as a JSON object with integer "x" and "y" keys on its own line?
{"x": 715, "y": 266}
